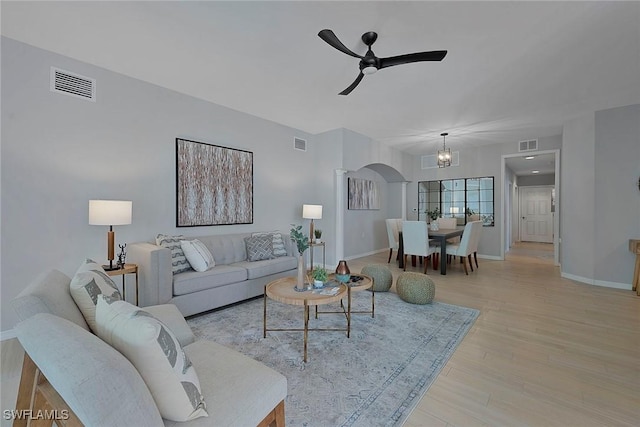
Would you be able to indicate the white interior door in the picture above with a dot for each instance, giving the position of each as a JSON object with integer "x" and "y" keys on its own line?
{"x": 536, "y": 222}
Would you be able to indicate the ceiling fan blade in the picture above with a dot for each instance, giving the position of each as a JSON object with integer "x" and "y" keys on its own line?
{"x": 329, "y": 37}
{"x": 353, "y": 85}
{"x": 436, "y": 55}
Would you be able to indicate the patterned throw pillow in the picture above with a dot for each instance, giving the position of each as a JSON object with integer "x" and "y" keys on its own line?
{"x": 90, "y": 281}
{"x": 259, "y": 247}
{"x": 157, "y": 355}
{"x": 197, "y": 254}
{"x": 278, "y": 244}
{"x": 179, "y": 262}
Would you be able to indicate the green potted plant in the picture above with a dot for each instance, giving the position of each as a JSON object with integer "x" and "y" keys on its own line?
{"x": 434, "y": 215}
{"x": 318, "y": 234}
{"x": 319, "y": 277}
{"x": 302, "y": 241}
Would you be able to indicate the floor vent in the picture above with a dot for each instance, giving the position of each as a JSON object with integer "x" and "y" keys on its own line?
{"x": 529, "y": 145}
{"x": 299, "y": 144}
{"x": 72, "y": 84}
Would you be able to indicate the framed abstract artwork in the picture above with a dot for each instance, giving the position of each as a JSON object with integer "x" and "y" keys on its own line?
{"x": 363, "y": 194}
{"x": 214, "y": 185}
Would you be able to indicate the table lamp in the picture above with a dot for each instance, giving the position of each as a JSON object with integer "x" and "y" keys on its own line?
{"x": 110, "y": 212}
{"x": 311, "y": 212}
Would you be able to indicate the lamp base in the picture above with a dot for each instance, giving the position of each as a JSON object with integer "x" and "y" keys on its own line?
{"x": 110, "y": 267}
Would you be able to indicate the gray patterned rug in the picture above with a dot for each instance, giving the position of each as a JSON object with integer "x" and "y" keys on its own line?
{"x": 374, "y": 378}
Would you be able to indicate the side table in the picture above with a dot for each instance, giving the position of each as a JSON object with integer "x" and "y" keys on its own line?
{"x": 634, "y": 247}
{"x": 313, "y": 245}
{"x": 365, "y": 283}
{"x": 127, "y": 269}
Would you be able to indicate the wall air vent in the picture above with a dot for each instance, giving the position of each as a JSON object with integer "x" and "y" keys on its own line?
{"x": 431, "y": 161}
{"x": 72, "y": 84}
{"x": 300, "y": 144}
{"x": 529, "y": 145}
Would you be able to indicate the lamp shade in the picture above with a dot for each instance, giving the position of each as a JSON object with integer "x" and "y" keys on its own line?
{"x": 110, "y": 212}
{"x": 312, "y": 211}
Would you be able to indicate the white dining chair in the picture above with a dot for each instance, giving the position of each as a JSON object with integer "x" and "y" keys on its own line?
{"x": 393, "y": 228}
{"x": 415, "y": 237}
{"x": 447, "y": 223}
{"x": 466, "y": 246}
{"x": 477, "y": 233}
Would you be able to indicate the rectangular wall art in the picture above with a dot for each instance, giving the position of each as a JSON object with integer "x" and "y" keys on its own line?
{"x": 214, "y": 185}
{"x": 363, "y": 194}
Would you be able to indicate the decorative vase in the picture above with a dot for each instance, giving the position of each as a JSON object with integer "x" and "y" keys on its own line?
{"x": 343, "y": 274}
{"x": 434, "y": 225}
{"x": 301, "y": 272}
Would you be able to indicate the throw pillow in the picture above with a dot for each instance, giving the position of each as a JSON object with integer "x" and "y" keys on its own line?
{"x": 278, "y": 244}
{"x": 89, "y": 265}
{"x": 85, "y": 287}
{"x": 157, "y": 355}
{"x": 197, "y": 254}
{"x": 179, "y": 262}
{"x": 259, "y": 247}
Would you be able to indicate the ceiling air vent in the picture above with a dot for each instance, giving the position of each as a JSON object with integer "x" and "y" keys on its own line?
{"x": 72, "y": 84}
{"x": 530, "y": 145}
{"x": 300, "y": 144}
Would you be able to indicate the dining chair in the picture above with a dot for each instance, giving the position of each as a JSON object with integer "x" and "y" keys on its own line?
{"x": 466, "y": 246}
{"x": 393, "y": 229}
{"x": 447, "y": 223}
{"x": 416, "y": 241}
{"x": 477, "y": 233}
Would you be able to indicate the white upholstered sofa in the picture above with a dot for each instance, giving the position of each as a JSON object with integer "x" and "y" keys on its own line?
{"x": 68, "y": 368}
{"x": 234, "y": 278}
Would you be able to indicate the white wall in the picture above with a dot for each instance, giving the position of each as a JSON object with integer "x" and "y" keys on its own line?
{"x": 617, "y": 169}
{"x": 59, "y": 152}
{"x": 600, "y": 198}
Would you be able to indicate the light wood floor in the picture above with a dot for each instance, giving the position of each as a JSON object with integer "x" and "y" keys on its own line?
{"x": 545, "y": 351}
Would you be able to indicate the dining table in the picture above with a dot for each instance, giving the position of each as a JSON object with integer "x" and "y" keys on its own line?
{"x": 441, "y": 236}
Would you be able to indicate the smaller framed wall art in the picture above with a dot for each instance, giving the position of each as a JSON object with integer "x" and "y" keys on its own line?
{"x": 363, "y": 194}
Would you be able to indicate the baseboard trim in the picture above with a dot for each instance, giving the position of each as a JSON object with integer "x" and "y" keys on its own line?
{"x": 366, "y": 254}
{"x": 7, "y": 335}
{"x": 602, "y": 283}
{"x": 491, "y": 257}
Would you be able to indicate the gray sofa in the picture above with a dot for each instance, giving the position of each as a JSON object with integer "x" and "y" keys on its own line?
{"x": 233, "y": 278}
{"x": 80, "y": 373}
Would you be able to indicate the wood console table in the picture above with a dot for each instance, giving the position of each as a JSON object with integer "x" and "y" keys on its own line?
{"x": 634, "y": 247}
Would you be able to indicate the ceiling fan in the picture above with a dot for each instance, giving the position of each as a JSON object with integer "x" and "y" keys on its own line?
{"x": 370, "y": 63}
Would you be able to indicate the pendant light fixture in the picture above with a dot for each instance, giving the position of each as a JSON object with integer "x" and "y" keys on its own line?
{"x": 444, "y": 155}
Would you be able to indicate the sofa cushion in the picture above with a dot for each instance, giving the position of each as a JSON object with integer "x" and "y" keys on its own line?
{"x": 233, "y": 397}
{"x": 197, "y": 254}
{"x": 220, "y": 275}
{"x": 259, "y": 247}
{"x": 89, "y": 282}
{"x": 226, "y": 248}
{"x": 97, "y": 382}
{"x": 49, "y": 293}
{"x": 279, "y": 248}
{"x": 157, "y": 355}
{"x": 179, "y": 262}
{"x": 265, "y": 268}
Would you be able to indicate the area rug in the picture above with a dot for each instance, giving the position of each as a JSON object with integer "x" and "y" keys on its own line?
{"x": 373, "y": 378}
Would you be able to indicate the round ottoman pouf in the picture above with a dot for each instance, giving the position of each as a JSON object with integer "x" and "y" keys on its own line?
{"x": 381, "y": 275}
{"x": 415, "y": 288}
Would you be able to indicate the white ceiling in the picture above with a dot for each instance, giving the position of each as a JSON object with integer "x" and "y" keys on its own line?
{"x": 514, "y": 71}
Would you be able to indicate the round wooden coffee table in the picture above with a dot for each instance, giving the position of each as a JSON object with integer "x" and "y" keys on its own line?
{"x": 282, "y": 290}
